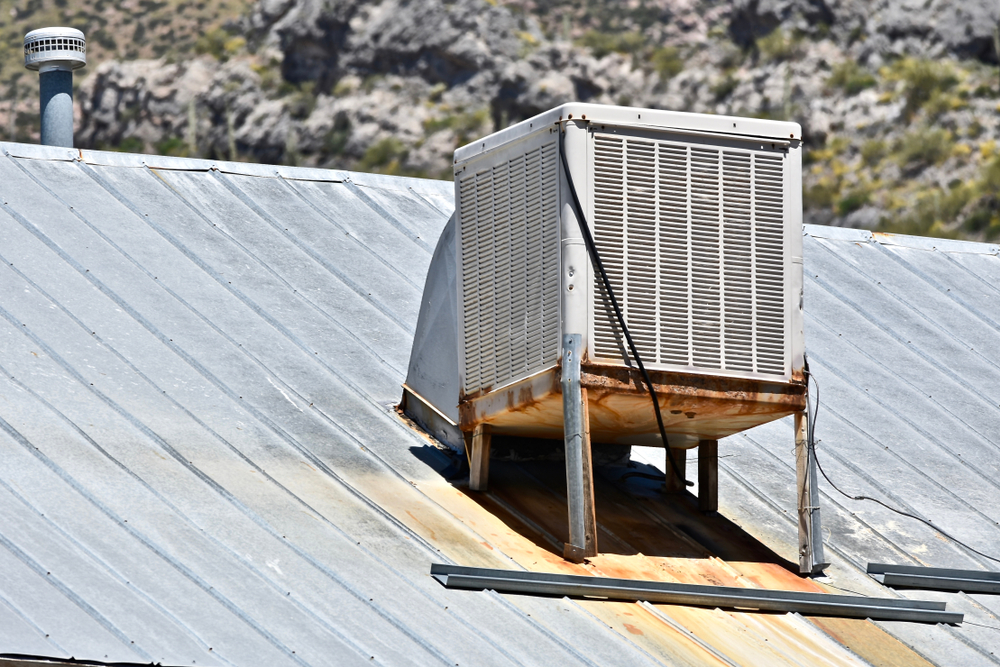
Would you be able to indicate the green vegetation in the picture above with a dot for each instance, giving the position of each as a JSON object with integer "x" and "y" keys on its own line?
{"x": 302, "y": 100}
{"x": 778, "y": 46}
{"x": 921, "y": 81}
{"x": 174, "y": 146}
{"x": 854, "y": 200}
{"x": 667, "y": 62}
{"x": 873, "y": 151}
{"x": 923, "y": 147}
{"x": 851, "y": 78}
{"x": 336, "y": 139}
{"x": 384, "y": 156}
{"x": 128, "y": 145}
{"x": 603, "y": 43}
{"x": 725, "y": 87}
{"x": 820, "y": 195}
{"x": 220, "y": 44}
{"x": 464, "y": 125}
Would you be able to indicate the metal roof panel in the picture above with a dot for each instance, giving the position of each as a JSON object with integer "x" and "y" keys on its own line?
{"x": 201, "y": 463}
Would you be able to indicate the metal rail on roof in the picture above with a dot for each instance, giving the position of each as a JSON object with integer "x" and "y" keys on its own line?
{"x": 942, "y": 579}
{"x": 813, "y": 604}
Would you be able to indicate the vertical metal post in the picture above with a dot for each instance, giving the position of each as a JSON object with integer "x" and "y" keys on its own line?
{"x": 479, "y": 465}
{"x": 708, "y": 475}
{"x": 810, "y": 533}
{"x": 676, "y": 483}
{"x": 579, "y": 473}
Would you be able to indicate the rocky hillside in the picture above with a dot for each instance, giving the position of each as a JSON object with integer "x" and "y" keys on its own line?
{"x": 115, "y": 29}
{"x": 899, "y": 99}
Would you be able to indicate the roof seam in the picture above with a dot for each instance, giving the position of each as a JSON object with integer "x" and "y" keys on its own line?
{"x": 93, "y": 557}
{"x": 353, "y": 237}
{"x": 896, "y": 298}
{"x": 902, "y": 460}
{"x": 917, "y": 351}
{"x": 940, "y": 288}
{"x": 974, "y": 394}
{"x": 312, "y": 254}
{"x": 237, "y": 452}
{"x": 194, "y": 578}
{"x": 389, "y": 217}
{"x": 140, "y": 319}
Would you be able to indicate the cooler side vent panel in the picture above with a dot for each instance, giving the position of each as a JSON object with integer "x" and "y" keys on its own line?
{"x": 692, "y": 237}
{"x": 508, "y": 215}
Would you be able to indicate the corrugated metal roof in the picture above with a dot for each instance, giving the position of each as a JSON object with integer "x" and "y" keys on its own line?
{"x": 201, "y": 463}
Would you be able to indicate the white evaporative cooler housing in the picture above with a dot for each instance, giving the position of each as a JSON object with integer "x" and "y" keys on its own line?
{"x": 698, "y": 221}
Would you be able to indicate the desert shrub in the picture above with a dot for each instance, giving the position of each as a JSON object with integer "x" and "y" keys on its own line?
{"x": 384, "y": 155}
{"x": 923, "y": 148}
{"x": 820, "y": 196}
{"x": 220, "y": 44}
{"x": 667, "y": 62}
{"x": 724, "y": 87}
{"x": 302, "y": 102}
{"x": 174, "y": 146}
{"x": 853, "y": 201}
{"x": 778, "y": 45}
{"x": 851, "y": 78}
{"x": 921, "y": 80}
{"x": 463, "y": 125}
{"x": 130, "y": 145}
{"x": 335, "y": 141}
{"x": 603, "y": 43}
{"x": 873, "y": 151}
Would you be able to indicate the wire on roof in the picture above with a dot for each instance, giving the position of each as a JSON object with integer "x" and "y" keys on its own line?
{"x": 813, "y": 414}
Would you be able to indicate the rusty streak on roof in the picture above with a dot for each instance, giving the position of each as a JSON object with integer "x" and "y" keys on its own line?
{"x": 200, "y": 462}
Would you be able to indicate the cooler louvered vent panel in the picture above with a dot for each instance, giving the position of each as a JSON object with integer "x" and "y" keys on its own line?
{"x": 510, "y": 271}
{"x": 692, "y": 238}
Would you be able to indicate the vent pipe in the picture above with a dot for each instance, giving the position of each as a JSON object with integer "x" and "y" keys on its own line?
{"x": 55, "y": 53}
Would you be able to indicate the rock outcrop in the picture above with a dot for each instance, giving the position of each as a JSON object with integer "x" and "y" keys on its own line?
{"x": 396, "y": 85}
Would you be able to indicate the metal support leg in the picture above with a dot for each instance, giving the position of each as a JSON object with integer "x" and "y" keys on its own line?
{"x": 479, "y": 472}
{"x": 675, "y": 483}
{"x": 708, "y": 475}
{"x": 579, "y": 472}
{"x": 810, "y": 533}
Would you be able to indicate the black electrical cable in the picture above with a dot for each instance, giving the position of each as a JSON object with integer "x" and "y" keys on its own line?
{"x": 811, "y": 439}
{"x": 595, "y": 257}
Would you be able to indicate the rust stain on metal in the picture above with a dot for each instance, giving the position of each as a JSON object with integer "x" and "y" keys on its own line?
{"x": 695, "y": 406}
{"x": 619, "y": 379}
{"x": 868, "y": 641}
{"x": 651, "y": 538}
{"x": 511, "y": 403}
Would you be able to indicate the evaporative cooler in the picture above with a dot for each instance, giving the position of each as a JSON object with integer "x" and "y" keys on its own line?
{"x": 697, "y": 220}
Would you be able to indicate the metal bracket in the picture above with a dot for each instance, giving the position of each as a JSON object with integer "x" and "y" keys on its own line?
{"x": 936, "y": 578}
{"x": 810, "y": 533}
{"x": 579, "y": 469}
{"x": 728, "y": 597}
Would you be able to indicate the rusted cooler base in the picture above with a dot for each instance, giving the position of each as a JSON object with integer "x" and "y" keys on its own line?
{"x": 694, "y": 407}
{"x": 697, "y": 411}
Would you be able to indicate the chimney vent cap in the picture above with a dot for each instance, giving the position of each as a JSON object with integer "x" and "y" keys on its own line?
{"x": 55, "y": 48}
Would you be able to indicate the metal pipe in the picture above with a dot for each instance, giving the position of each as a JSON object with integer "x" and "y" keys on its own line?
{"x": 55, "y": 53}
{"x": 56, "y": 104}
{"x": 815, "y": 604}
